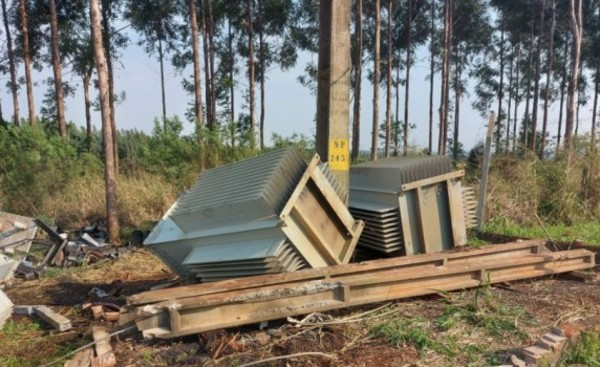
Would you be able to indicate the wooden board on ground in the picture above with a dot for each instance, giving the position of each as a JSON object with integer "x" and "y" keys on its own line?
{"x": 225, "y": 304}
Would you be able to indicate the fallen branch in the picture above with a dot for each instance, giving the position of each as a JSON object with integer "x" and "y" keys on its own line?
{"x": 289, "y": 356}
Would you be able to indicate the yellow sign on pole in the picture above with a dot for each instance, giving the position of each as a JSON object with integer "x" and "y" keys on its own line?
{"x": 339, "y": 156}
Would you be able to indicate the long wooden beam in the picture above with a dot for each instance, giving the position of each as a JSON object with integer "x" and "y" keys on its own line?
{"x": 426, "y": 260}
{"x": 207, "y": 308}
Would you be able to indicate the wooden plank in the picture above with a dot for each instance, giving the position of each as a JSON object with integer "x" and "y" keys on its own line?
{"x": 191, "y": 315}
{"x": 457, "y": 212}
{"x": 465, "y": 256}
{"x": 312, "y": 165}
{"x": 409, "y": 244}
{"x": 432, "y": 180}
{"x": 104, "y": 352}
{"x": 53, "y": 318}
{"x": 422, "y": 219}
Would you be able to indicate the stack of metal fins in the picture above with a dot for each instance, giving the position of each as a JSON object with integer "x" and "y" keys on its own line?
{"x": 374, "y": 190}
{"x": 255, "y": 217}
{"x": 470, "y": 206}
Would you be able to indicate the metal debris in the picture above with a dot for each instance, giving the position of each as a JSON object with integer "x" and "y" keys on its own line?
{"x": 6, "y": 308}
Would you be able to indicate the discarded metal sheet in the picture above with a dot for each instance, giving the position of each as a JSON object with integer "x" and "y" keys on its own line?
{"x": 7, "y": 268}
{"x": 16, "y": 232}
{"x": 6, "y": 307}
{"x": 268, "y": 214}
{"x": 410, "y": 205}
{"x": 185, "y": 310}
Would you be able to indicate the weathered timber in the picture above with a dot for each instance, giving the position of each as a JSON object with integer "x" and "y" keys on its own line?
{"x": 333, "y": 272}
{"x": 229, "y": 304}
{"x": 56, "y": 320}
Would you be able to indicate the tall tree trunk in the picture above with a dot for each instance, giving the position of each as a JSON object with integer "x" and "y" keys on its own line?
{"x": 231, "y": 84}
{"x": 510, "y": 98}
{"x": 27, "y": 61}
{"x": 595, "y": 108}
{"x": 563, "y": 86}
{"x": 251, "y": 70}
{"x": 576, "y": 23}
{"x": 500, "y": 88}
{"x": 162, "y": 83}
{"x": 407, "y": 82}
{"x": 376, "y": 75}
{"x": 396, "y": 126}
{"x": 197, "y": 79}
{"x": 517, "y": 99}
{"x": 388, "y": 101}
{"x": 526, "y": 120}
{"x": 107, "y": 44}
{"x": 357, "y": 80}
{"x": 580, "y": 91}
{"x": 431, "y": 75}
{"x": 88, "y": 116}
{"x": 457, "y": 97}
{"x": 57, "y": 68}
{"x": 444, "y": 95}
{"x": 549, "y": 69}
{"x": 109, "y": 159}
{"x": 211, "y": 55}
{"x": 262, "y": 62}
{"x": 536, "y": 88}
{"x": 207, "y": 76}
{"x": 11, "y": 64}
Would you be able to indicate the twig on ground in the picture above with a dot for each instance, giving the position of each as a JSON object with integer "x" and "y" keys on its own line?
{"x": 314, "y": 354}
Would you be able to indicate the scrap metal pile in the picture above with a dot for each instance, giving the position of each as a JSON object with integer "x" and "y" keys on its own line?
{"x": 26, "y": 255}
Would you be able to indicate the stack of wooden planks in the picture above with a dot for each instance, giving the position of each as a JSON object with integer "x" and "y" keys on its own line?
{"x": 190, "y": 309}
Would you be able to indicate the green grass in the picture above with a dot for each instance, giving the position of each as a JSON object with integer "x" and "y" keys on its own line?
{"x": 400, "y": 331}
{"x": 585, "y": 352}
{"x": 25, "y": 344}
{"x": 589, "y": 233}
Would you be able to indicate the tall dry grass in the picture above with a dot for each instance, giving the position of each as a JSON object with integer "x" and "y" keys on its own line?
{"x": 520, "y": 188}
{"x": 142, "y": 198}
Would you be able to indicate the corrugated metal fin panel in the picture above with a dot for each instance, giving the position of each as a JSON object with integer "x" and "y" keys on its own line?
{"x": 290, "y": 218}
{"x": 382, "y": 230}
{"x": 391, "y": 173}
{"x": 470, "y": 206}
{"x": 334, "y": 181}
{"x": 251, "y": 189}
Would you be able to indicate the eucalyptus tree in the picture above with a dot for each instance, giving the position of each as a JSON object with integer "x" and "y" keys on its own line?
{"x": 23, "y": 17}
{"x": 11, "y": 63}
{"x": 576, "y": 24}
{"x": 156, "y": 21}
{"x": 471, "y": 35}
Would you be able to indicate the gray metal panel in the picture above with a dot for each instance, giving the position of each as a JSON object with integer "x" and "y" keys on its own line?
{"x": 391, "y": 173}
{"x": 247, "y": 190}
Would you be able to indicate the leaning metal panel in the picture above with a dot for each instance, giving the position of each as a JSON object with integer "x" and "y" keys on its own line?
{"x": 293, "y": 219}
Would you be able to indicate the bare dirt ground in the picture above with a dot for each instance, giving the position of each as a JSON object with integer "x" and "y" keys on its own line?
{"x": 477, "y": 327}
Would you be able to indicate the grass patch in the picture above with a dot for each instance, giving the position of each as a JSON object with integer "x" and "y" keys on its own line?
{"x": 484, "y": 312}
{"x": 585, "y": 352}
{"x": 25, "y": 343}
{"x": 589, "y": 233}
{"x": 400, "y": 331}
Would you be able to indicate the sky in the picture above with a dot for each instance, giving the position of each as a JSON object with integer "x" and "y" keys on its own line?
{"x": 290, "y": 107}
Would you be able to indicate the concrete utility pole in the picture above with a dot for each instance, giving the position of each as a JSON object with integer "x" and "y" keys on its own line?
{"x": 333, "y": 90}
